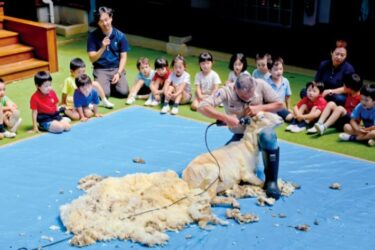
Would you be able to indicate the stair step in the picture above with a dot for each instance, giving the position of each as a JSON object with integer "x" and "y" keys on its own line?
{"x": 7, "y": 33}
{"x": 22, "y": 69}
{"x": 14, "y": 53}
{"x": 8, "y": 37}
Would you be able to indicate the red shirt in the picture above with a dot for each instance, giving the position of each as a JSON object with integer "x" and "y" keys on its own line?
{"x": 320, "y": 103}
{"x": 44, "y": 104}
{"x": 163, "y": 78}
{"x": 351, "y": 102}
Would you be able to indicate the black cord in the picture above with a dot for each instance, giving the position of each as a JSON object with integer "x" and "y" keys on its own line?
{"x": 48, "y": 245}
{"x": 209, "y": 151}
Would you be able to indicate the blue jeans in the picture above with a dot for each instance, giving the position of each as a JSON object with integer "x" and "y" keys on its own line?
{"x": 283, "y": 113}
{"x": 267, "y": 139}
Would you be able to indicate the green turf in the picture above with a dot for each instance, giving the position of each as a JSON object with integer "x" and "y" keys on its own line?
{"x": 21, "y": 91}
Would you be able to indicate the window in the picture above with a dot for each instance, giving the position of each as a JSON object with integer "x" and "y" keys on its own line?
{"x": 268, "y": 12}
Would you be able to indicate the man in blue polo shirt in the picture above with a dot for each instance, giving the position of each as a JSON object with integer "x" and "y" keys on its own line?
{"x": 107, "y": 49}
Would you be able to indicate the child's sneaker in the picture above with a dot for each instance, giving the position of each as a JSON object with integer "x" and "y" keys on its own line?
{"x": 107, "y": 104}
{"x": 130, "y": 100}
{"x": 321, "y": 128}
{"x": 8, "y": 134}
{"x": 154, "y": 103}
{"x": 297, "y": 129}
{"x": 312, "y": 130}
{"x": 165, "y": 109}
{"x": 16, "y": 125}
{"x": 344, "y": 137}
{"x": 174, "y": 111}
{"x": 149, "y": 101}
{"x": 290, "y": 127}
{"x": 371, "y": 142}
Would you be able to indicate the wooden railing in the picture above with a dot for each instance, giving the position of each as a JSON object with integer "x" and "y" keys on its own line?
{"x": 41, "y": 36}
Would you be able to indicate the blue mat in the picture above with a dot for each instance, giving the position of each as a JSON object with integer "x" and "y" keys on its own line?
{"x": 40, "y": 174}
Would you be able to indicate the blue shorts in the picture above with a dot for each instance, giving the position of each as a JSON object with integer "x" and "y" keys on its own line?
{"x": 283, "y": 113}
{"x": 44, "y": 126}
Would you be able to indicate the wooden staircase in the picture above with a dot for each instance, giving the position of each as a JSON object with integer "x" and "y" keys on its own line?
{"x": 26, "y": 47}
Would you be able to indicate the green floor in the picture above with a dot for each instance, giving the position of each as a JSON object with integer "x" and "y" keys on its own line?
{"x": 21, "y": 91}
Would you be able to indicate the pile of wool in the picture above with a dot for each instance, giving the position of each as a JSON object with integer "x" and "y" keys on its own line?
{"x": 138, "y": 207}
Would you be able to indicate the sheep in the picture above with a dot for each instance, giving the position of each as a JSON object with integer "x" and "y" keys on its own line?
{"x": 238, "y": 162}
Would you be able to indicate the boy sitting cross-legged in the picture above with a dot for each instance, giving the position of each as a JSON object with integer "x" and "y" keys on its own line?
{"x": 3, "y": 132}
{"x": 364, "y": 112}
{"x": 43, "y": 104}
{"x": 309, "y": 108}
{"x": 10, "y": 113}
{"x": 85, "y": 95}
{"x": 141, "y": 88}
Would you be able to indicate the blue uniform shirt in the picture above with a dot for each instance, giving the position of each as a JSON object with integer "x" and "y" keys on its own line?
{"x": 333, "y": 78}
{"x": 110, "y": 58}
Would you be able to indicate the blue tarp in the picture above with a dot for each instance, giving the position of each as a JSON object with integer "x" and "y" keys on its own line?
{"x": 39, "y": 175}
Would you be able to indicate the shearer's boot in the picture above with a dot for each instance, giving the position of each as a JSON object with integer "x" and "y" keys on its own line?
{"x": 271, "y": 169}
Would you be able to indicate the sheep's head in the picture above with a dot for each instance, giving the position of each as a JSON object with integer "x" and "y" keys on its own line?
{"x": 267, "y": 119}
{"x": 260, "y": 121}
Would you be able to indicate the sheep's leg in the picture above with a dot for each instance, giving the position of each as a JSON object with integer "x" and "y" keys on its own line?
{"x": 219, "y": 200}
{"x": 254, "y": 180}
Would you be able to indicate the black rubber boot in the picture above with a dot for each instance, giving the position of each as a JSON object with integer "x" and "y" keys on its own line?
{"x": 271, "y": 169}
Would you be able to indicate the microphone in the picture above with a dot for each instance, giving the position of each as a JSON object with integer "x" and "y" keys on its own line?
{"x": 109, "y": 43}
{"x": 243, "y": 121}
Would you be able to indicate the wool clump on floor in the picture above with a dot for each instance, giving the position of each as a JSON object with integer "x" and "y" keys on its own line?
{"x": 142, "y": 207}
{"x": 113, "y": 209}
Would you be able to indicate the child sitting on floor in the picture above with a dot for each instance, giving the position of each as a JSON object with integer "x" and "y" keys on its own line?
{"x": 281, "y": 86}
{"x": 207, "y": 81}
{"x": 10, "y": 113}
{"x": 237, "y": 66}
{"x": 177, "y": 86}
{"x": 3, "y": 132}
{"x": 162, "y": 73}
{"x": 85, "y": 95}
{"x": 141, "y": 88}
{"x": 339, "y": 115}
{"x": 43, "y": 104}
{"x": 309, "y": 108}
{"x": 262, "y": 61}
{"x": 364, "y": 112}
